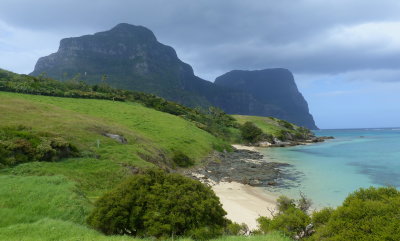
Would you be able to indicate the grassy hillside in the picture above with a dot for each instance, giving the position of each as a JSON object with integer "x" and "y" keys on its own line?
{"x": 152, "y": 137}
{"x": 275, "y": 127}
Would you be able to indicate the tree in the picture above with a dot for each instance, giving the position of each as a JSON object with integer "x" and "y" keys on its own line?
{"x": 160, "y": 205}
{"x": 250, "y": 132}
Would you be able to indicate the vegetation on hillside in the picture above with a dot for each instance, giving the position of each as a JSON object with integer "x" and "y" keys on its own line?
{"x": 212, "y": 120}
{"x": 276, "y": 128}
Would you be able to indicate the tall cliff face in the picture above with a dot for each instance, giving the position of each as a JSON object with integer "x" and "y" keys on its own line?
{"x": 130, "y": 57}
{"x": 274, "y": 87}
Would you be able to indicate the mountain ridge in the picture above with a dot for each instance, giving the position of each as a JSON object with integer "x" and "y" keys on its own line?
{"x": 130, "y": 57}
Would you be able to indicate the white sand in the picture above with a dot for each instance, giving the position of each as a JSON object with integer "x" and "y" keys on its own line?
{"x": 243, "y": 203}
{"x": 242, "y": 147}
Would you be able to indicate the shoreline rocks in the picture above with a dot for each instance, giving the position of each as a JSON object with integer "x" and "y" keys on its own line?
{"x": 243, "y": 166}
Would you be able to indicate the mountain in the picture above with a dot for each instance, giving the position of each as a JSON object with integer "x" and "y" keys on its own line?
{"x": 130, "y": 57}
{"x": 275, "y": 87}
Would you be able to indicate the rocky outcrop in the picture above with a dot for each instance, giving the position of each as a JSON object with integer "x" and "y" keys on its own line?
{"x": 243, "y": 166}
{"x": 130, "y": 57}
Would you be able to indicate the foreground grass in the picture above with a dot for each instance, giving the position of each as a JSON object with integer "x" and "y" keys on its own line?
{"x": 57, "y": 230}
{"x": 29, "y": 199}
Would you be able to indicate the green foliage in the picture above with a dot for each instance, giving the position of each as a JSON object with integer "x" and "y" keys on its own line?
{"x": 161, "y": 205}
{"x": 250, "y": 132}
{"x": 286, "y": 124}
{"x": 291, "y": 219}
{"x": 236, "y": 229}
{"x": 21, "y": 144}
{"x": 283, "y": 203}
{"x": 367, "y": 214}
{"x": 181, "y": 159}
{"x": 274, "y": 127}
{"x": 322, "y": 216}
{"x": 291, "y": 222}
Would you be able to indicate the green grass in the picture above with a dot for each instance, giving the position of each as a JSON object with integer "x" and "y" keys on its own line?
{"x": 28, "y": 199}
{"x": 268, "y": 125}
{"x": 55, "y": 230}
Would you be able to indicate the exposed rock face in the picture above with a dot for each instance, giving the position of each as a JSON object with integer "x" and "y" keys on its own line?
{"x": 272, "y": 87}
{"x": 130, "y": 57}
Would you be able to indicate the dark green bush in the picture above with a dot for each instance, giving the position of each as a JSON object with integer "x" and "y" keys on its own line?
{"x": 367, "y": 214}
{"x": 291, "y": 222}
{"x": 250, "y": 132}
{"x": 236, "y": 229}
{"x": 21, "y": 144}
{"x": 182, "y": 160}
{"x": 159, "y": 205}
{"x": 322, "y": 216}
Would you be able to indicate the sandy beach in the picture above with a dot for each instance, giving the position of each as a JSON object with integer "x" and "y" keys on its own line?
{"x": 243, "y": 203}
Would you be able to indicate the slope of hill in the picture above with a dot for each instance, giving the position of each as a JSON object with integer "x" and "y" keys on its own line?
{"x": 130, "y": 57}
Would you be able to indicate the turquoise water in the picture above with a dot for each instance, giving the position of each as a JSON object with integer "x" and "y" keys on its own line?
{"x": 327, "y": 172}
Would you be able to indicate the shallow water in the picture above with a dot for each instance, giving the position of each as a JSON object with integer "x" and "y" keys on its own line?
{"x": 327, "y": 172}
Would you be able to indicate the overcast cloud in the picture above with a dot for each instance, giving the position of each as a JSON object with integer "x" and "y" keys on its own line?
{"x": 341, "y": 40}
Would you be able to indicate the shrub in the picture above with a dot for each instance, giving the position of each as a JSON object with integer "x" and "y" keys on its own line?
{"x": 182, "y": 160}
{"x": 322, "y": 216}
{"x": 236, "y": 229}
{"x": 283, "y": 203}
{"x": 250, "y": 132}
{"x": 159, "y": 205}
{"x": 21, "y": 144}
{"x": 291, "y": 220}
{"x": 367, "y": 214}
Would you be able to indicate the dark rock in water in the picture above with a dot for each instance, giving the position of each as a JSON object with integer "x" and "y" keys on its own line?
{"x": 130, "y": 57}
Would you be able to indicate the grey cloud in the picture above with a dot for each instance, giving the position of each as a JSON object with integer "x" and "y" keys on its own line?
{"x": 217, "y": 36}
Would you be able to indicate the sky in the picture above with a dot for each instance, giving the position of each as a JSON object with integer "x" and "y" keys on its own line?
{"x": 344, "y": 54}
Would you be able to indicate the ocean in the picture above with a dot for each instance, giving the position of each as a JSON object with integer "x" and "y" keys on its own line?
{"x": 327, "y": 172}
